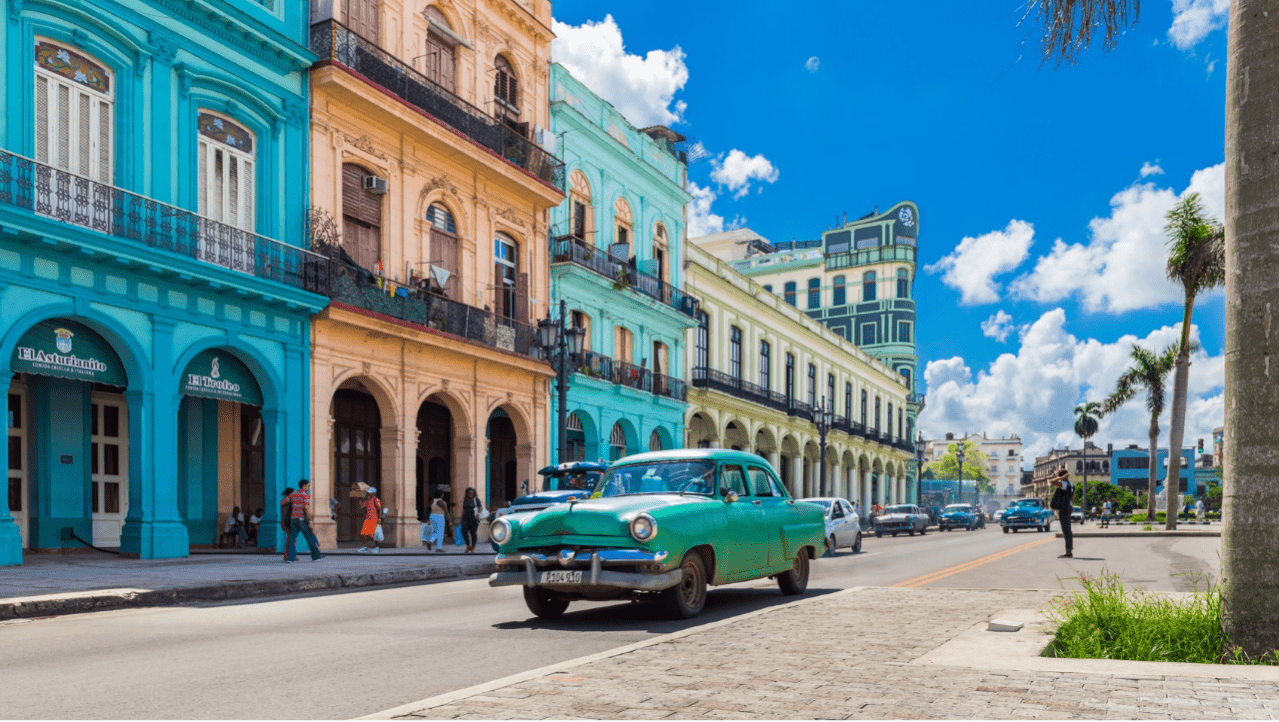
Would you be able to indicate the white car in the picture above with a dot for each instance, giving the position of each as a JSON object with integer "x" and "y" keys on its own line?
{"x": 843, "y": 528}
{"x": 1077, "y": 515}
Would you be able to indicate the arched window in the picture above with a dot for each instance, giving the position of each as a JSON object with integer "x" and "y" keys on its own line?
{"x": 617, "y": 442}
{"x": 622, "y": 223}
{"x": 840, "y": 296}
{"x": 580, "y": 224}
{"x": 903, "y": 284}
{"x": 440, "y": 50}
{"x": 444, "y": 256}
{"x": 654, "y": 441}
{"x": 361, "y": 218}
{"x": 789, "y": 293}
{"x": 506, "y": 95}
{"x": 225, "y": 163}
{"x": 510, "y": 286}
{"x": 814, "y": 293}
{"x": 868, "y": 286}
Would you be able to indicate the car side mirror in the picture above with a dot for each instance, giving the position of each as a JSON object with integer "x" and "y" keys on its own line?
{"x": 731, "y": 497}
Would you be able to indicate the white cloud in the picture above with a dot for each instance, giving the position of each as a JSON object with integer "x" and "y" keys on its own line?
{"x": 701, "y": 221}
{"x": 971, "y": 268}
{"x": 641, "y": 88}
{"x": 737, "y": 170}
{"x": 812, "y": 64}
{"x": 998, "y": 327}
{"x": 1033, "y": 392}
{"x": 1194, "y": 19}
{"x": 1113, "y": 271}
{"x": 1151, "y": 169}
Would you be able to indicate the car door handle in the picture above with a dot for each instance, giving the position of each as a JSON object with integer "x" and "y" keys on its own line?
{"x": 757, "y": 502}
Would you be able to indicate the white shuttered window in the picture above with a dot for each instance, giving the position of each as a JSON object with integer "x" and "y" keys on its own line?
{"x": 225, "y": 168}
{"x": 73, "y": 129}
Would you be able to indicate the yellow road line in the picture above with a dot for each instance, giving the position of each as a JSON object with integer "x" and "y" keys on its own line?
{"x": 966, "y": 566}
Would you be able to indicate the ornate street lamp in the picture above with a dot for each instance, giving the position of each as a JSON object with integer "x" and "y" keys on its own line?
{"x": 562, "y": 345}
{"x": 959, "y": 456}
{"x": 919, "y": 468}
{"x": 823, "y": 417}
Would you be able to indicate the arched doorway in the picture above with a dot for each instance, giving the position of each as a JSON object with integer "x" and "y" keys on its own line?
{"x": 357, "y": 455}
{"x": 621, "y": 441}
{"x": 502, "y": 464}
{"x": 434, "y": 469}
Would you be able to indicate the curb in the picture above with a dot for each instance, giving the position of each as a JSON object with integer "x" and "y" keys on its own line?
{"x": 82, "y": 602}
{"x": 1144, "y": 534}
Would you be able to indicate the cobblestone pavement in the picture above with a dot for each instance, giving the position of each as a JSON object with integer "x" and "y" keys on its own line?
{"x": 849, "y": 656}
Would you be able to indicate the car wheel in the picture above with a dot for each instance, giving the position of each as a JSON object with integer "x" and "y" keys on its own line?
{"x": 857, "y": 544}
{"x": 795, "y": 580}
{"x": 1049, "y": 527}
{"x": 686, "y": 599}
{"x": 923, "y": 530}
{"x": 543, "y": 603}
{"x": 879, "y": 535}
{"x": 894, "y": 533}
{"x": 1005, "y": 530}
{"x": 911, "y": 531}
{"x": 830, "y": 546}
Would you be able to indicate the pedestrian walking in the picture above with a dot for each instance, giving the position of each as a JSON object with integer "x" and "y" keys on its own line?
{"x": 300, "y": 523}
{"x": 1199, "y": 510}
{"x": 1062, "y": 502}
{"x": 472, "y": 511}
{"x": 286, "y": 515}
{"x": 372, "y": 520}
{"x": 433, "y": 530}
{"x": 1105, "y": 515}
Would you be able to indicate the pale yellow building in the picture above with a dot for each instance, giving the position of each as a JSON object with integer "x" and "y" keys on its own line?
{"x": 427, "y": 120}
{"x": 758, "y": 367}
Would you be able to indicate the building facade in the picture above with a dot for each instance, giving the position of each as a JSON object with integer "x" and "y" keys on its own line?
{"x": 617, "y": 261}
{"x": 155, "y": 339}
{"x": 434, "y": 197}
{"x": 758, "y": 370}
{"x": 1002, "y": 459}
{"x": 1130, "y": 468}
{"x": 1095, "y": 461}
{"x": 858, "y": 280}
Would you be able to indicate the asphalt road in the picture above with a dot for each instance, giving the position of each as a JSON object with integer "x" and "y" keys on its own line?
{"x": 343, "y": 655}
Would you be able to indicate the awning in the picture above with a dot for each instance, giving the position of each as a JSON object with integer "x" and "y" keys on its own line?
{"x": 216, "y": 374}
{"x": 68, "y": 350}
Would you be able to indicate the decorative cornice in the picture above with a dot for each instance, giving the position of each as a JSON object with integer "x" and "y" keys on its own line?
{"x": 233, "y": 33}
{"x": 511, "y": 216}
{"x": 163, "y": 48}
{"x": 295, "y": 112}
{"x": 15, "y": 11}
{"x": 442, "y": 183}
{"x": 365, "y": 144}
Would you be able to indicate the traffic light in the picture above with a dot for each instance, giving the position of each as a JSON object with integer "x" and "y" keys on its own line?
{"x": 1201, "y": 446}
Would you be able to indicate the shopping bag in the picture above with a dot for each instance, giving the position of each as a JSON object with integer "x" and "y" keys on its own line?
{"x": 377, "y": 533}
{"x": 457, "y": 536}
{"x": 424, "y": 534}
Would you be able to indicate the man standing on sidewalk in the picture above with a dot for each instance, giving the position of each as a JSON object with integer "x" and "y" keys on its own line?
{"x": 1065, "y": 509}
{"x": 300, "y": 523}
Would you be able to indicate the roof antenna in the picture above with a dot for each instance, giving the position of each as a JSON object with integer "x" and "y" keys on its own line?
{"x": 845, "y": 217}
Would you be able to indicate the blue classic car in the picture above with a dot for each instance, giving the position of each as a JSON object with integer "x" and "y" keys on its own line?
{"x": 961, "y": 516}
{"x": 1027, "y": 514}
{"x": 561, "y": 482}
{"x": 663, "y": 524}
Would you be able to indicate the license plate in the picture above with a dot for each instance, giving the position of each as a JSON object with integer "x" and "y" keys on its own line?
{"x": 561, "y": 577}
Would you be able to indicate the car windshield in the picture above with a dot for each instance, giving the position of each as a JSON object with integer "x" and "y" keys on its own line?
{"x": 658, "y": 477}
{"x": 584, "y": 480}
{"x": 957, "y": 507}
{"x": 898, "y": 510}
{"x": 1025, "y": 504}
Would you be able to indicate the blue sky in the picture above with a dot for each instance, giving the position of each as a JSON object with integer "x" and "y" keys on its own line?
{"x": 812, "y": 110}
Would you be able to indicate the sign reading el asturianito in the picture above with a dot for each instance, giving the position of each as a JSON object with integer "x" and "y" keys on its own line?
{"x": 68, "y": 350}
{"x": 215, "y": 374}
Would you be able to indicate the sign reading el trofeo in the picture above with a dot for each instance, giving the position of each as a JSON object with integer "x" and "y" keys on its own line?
{"x": 216, "y": 375}
{"x": 68, "y": 350}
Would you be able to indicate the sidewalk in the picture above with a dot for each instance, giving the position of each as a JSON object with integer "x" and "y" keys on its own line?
{"x": 864, "y": 653}
{"x": 54, "y": 584}
{"x": 1094, "y": 529}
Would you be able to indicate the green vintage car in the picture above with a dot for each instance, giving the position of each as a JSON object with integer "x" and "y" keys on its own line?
{"x": 664, "y": 524}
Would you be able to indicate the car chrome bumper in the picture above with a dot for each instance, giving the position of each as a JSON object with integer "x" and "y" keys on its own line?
{"x": 1022, "y": 522}
{"x": 527, "y": 566}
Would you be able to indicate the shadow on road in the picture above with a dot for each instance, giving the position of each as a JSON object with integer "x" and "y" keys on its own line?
{"x": 651, "y": 616}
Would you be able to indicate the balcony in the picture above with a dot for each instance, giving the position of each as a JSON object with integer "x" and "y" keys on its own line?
{"x": 707, "y": 378}
{"x": 878, "y": 254}
{"x": 571, "y": 249}
{"x": 627, "y": 374}
{"x": 915, "y": 399}
{"x": 336, "y": 44}
{"x": 148, "y": 224}
{"x": 355, "y": 286}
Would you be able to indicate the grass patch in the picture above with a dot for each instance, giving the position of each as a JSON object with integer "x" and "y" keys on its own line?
{"x": 1147, "y": 528}
{"x": 1160, "y": 516}
{"x": 1105, "y": 620}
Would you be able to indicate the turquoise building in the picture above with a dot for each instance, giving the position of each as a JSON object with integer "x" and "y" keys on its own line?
{"x": 617, "y": 259}
{"x": 156, "y": 295}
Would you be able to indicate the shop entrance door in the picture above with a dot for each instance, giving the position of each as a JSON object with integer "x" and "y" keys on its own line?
{"x": 109, "y": 467}
{"x": 18, "y": 458}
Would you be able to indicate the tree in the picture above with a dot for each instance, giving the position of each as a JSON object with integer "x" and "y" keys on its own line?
{"x": 1147, "y": 372}
{"x": 1197, "y": 263}
{"x": 947, "y": 467}
{"x": 1086, "y": 416}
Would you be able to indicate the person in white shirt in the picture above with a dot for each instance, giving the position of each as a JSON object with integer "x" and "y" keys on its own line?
{"x": 235, "y": 525}
{"x": 1199, "y": 510}
{"x": 255, "y": 521}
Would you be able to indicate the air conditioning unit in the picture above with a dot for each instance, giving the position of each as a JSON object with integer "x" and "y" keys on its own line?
{"x": 375, "y": 185}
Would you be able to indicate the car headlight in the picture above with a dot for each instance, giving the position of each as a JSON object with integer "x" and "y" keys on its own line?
{"x": 500, "y": 532}
{"x": 643, "y": 528}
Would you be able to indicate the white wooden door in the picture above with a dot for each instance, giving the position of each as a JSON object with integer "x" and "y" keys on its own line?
{"x": 18, "y": 462}
{"x": 109, "y": 467}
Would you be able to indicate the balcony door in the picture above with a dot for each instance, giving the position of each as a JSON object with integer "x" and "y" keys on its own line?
{"x": 440, "y": 55}
{"x": 225, "y": 165}
{"x": 361, "y": 17}
{"x": 361, "y": 218}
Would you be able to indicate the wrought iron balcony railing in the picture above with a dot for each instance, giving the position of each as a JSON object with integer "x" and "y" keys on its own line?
{"x": 150, "y": 224}
{"x": 916, "y": 399}
{"x": 571, "y": 249}
{"x": 627, "y": 374}
{"x": 335, "y": 43}
{"x": 878, "y": 254}
{"x": 708, "y": 378}
{"x": 358, "y": 287}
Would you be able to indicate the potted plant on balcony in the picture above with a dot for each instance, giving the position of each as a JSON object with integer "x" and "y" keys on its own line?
{"x": 622, "y": 281}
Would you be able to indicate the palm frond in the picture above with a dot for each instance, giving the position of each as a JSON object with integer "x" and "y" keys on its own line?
{"x": 1196, "y": 247}
{"x": 1069, "y": 26}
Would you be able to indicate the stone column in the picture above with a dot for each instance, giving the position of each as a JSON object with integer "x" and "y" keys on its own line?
{"x": 391, "y": 489}
{"x": 797, "y": 477}
{"x": 865, "y": 494}
{"x": 525, "y": 466}
{"x": 323, "y": 485}
{"x": 834, "y": 487}
{"x": 775, "y": 460}
{"x": 10, "y": 536}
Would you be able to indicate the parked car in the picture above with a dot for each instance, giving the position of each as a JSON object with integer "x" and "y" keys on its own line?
{"x": 999, "y": 515}
{"x": 560, "y": 483}
{"x": 906, "y": 518}
{"x": 1027, "y": 514}
{"x": 961, "y": 516}
{"x": 662, "y": 524}
{"x": 1077, "y": 515}
{"x": 843, "y": 528}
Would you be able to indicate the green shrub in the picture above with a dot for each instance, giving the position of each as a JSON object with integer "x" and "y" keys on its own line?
{"x": 1147, "y": 528}
{"x": 1107, "y": 621}
{"x": 1137, "y": 516}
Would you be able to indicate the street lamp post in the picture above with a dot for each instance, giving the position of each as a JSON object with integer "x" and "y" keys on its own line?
{"x": 562, "y": 344}
{"x": 959, "y": 456}
{"x": 919, "y": 469}
{"x": 823, "y": 417}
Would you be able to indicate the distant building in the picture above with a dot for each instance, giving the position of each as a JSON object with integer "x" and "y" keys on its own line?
{"x": 1218, "y": 434}
{"x": 1002, "y": 458}
{"x": 1129, "y": 468}
{"x": 1091, "y": 460}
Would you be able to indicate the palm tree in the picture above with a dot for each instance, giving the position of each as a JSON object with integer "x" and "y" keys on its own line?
{"x": 1086, "y": 416}
{"x": 1196, "y": 262}
{"x": 1250, "y": 552}
{"x": 1147, "y": 372}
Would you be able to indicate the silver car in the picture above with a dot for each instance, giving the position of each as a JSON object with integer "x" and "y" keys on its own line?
{"x": 843, "y": 528}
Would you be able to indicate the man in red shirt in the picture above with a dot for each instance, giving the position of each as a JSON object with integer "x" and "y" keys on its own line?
{"x": 300, "y": 523}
